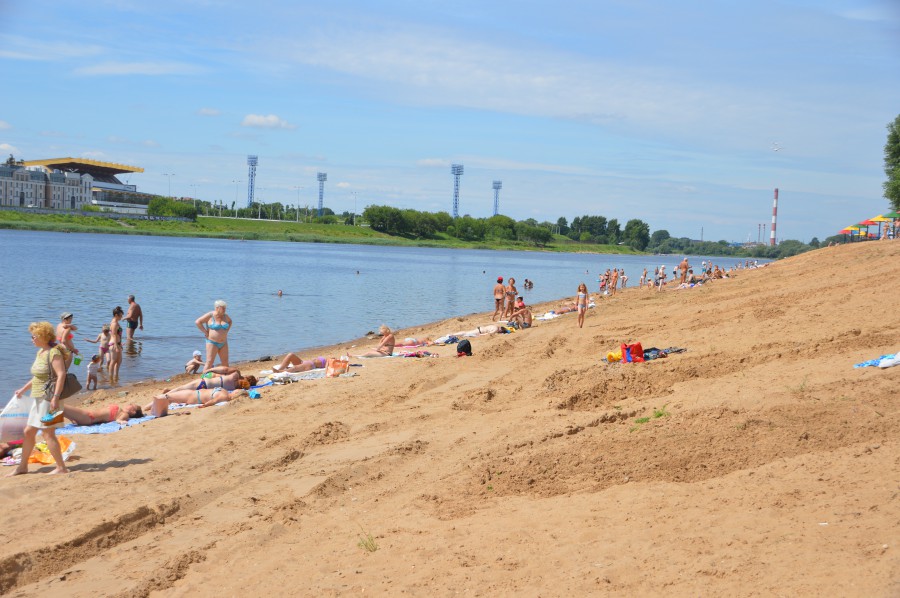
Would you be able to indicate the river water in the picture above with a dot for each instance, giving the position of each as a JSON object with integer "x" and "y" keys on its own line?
{"x": 325, "y": 300}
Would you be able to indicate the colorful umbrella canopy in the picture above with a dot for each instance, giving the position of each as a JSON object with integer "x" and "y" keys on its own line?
{"x": 880, "y": 218}
{"x": 892, "y": 215}
{"x": 867, "y": 223}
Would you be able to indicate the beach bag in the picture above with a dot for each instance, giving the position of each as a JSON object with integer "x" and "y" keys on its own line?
{"x": 334, "y": 367}
{"x": 632, "y": 353}
{"x": 464, "y": 347}
{"x": 70, "y": 386}
{"x": 14, "y": 418}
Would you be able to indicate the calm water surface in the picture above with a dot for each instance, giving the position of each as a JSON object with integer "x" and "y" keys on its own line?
{"x": 175, "y": 280}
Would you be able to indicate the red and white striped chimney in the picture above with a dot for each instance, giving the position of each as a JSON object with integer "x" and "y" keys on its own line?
{"x": 774, "y": 218}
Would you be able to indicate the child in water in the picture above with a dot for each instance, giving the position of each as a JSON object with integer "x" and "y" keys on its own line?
{"x": 92, "y": 368}
{"x": 103, "y": 340}
{"x": 194, "y": 365}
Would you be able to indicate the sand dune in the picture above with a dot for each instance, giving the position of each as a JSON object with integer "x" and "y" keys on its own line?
{"x": 767, "y": 465}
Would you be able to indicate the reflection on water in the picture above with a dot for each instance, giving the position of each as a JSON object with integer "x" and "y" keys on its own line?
{"x": 132, "y": 348}
{"x": 330, "y": 293}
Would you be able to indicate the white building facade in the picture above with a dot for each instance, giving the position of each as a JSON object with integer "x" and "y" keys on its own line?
{"x": 32, "y": 188}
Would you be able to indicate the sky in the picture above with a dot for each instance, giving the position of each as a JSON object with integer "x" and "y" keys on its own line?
{"x": 686, "y": 115}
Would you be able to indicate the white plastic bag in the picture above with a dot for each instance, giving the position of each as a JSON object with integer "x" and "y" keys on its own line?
{"x": 14, "y": 418}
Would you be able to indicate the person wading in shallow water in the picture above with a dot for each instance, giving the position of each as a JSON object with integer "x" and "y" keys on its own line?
{"x": 134, "y": 319}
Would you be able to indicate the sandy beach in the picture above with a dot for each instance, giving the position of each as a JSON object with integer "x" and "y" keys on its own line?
{"x": 767, "y": 464}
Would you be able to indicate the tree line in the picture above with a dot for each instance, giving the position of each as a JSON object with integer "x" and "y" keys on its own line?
{"x": 584, "y": 229}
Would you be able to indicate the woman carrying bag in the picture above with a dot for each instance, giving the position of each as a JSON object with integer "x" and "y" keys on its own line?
{"x": 50, "y": 359}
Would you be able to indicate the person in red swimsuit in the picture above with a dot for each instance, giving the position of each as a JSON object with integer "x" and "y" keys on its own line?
{"x": 110, "y": 413}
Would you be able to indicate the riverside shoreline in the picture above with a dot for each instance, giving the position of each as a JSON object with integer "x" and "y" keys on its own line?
{"x": 530, "y": 467}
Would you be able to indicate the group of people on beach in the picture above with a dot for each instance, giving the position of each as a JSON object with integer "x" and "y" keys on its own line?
{"x": 56, "y": 352}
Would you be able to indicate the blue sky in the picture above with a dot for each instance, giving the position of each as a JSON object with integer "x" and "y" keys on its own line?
{"x": 663, "y": 111}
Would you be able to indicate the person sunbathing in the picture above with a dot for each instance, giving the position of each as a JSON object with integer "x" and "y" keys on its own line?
{"x": 204, "y": 397}
{"x": 478, "y": 330}
{"x": 386, "y": 347}
{"x": 415, "y": 342}
{"x": 110, "y": 413}
{"x": 222, "y": 376}
{"x": 293, "y": 363}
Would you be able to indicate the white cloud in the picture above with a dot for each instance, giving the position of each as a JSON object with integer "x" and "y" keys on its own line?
{"x": 4, "y": 125}
{"x": 5, "y": 147}
{"x": 209, "y": 112}
{"x": 270, "y": 121}
{"x": 343, "y": 185}
{"x": 138, "y": 68}
{"x": 17, "y": 47}
{"x": 93, "y": 155}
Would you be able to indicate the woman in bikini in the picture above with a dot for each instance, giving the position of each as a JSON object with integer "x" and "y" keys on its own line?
{"x": 511, "y": 293}
{"x": 293, "y": 363}
{"x": 64, "y": 335}
{"x": 581, "y": 301}
{"x": 386, "y": 347}
{"x": 111, "y": 413}
{"x": 204, "y": 397}
{"x": 215, "y": 326}
{"x": 221, "y": 376}
{"x": 115, "y": 344}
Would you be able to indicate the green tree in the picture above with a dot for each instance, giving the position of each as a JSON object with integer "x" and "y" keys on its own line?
{"x": 563, "y": 226}
{"x": 500, "y": 227}
{"x": 658, "y": 237}
{"x": 613, "y": 231}
{"x": 892, "y": 164}
{"x": 636, "y": 234}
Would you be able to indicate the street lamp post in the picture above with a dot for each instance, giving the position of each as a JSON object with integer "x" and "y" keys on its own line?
{"x": 169, "y": 175}
{"x": 354, "y": 208}
{"x": 298, "y": 188}
{"x": 236, "y": 183}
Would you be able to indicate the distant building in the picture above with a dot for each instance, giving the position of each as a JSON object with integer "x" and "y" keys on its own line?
{"x": 70, "y": 184}
{"x": 33, "y": 188}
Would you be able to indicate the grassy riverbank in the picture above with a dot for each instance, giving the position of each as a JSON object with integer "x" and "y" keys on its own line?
{"x": 270, "y": 230}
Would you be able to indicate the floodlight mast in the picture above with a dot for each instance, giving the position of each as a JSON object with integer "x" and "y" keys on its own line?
{"x": 252, "y": 161}
{"x": 497, "y": 186}
{"x": 457, "y": 171}
{"x": 322, "y": 177}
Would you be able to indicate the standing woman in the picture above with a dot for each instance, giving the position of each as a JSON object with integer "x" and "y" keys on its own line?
{"x": 581, "y": 300}
{"x": 50, "y": 357}
{"x": 115, "y": 344}
{"x": 64, "y": 335}
{"x": 215, "y": 325}
{"x": 511, "y": 292}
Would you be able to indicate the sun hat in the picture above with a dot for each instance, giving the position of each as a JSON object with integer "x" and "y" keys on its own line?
{"x": 499, "y": 279}
{"x": 197, "y": 353}
{"x": 65, "y": 315}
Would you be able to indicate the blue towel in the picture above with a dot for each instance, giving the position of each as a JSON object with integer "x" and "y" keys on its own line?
{"x": 873, "y": 362}
{"x": 107, "y": 428}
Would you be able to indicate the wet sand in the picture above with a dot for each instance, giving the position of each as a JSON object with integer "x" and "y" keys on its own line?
{"x": 771, "y": 467}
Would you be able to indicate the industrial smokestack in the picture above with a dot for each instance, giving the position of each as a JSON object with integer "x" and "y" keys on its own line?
{"x": 774, "y": 219}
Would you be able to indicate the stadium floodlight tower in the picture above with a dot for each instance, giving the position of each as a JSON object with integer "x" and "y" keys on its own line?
{"x": 252, "y": 161}
{"x": 457, "y": 171}
{"x": 497, "y": 186}
{"x": 322, "y": 176}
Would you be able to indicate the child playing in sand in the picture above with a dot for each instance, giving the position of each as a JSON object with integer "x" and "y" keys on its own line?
{"x": 103, "y": 340}
{"x": 194, "y": 365}
{"x": 92, "y": 368}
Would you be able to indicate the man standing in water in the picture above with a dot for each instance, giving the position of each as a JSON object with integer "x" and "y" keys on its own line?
{"x": 134, "y": 318}
{"x": 499, "y": 294}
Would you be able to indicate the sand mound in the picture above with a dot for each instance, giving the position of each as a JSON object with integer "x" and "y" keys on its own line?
{"x": 759, "y": 461}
